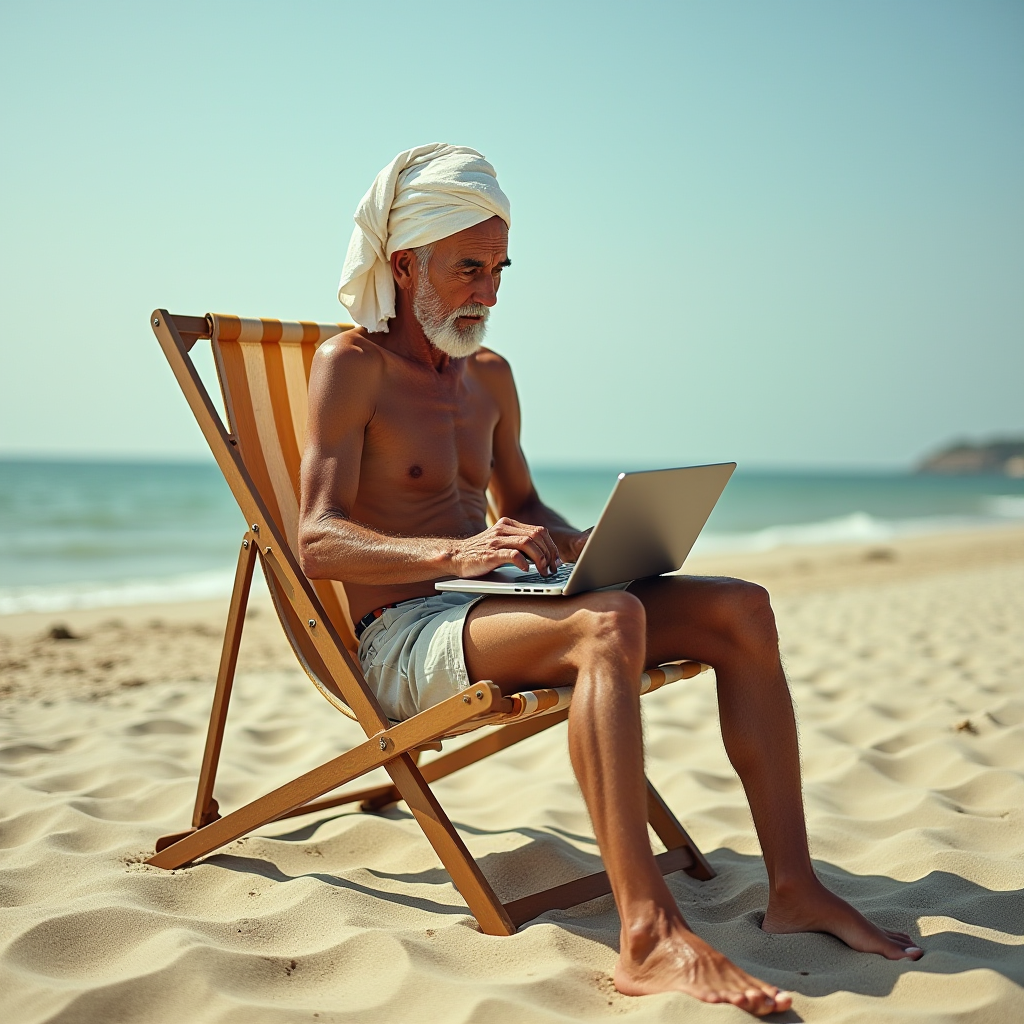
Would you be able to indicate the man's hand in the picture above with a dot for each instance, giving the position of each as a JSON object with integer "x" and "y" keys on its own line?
{"x": 570, "y": 543}
{"x": 506, "y": 541}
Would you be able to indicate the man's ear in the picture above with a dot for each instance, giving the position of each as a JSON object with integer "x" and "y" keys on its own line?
{"x": 402, "y": 263}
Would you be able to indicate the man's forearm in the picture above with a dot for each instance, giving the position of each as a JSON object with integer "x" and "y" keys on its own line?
{"x": 336, "y": 548}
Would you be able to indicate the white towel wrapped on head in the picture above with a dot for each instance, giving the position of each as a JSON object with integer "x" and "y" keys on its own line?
{"x": 424, "y": 194}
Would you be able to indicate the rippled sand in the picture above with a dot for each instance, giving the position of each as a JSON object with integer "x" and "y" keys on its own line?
{"x": 908, "y": 674}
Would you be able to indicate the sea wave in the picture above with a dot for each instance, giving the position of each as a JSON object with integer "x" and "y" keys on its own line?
{"x": 1006, "y": 506}
{"x": 199, "y": 586}
{"x": 855, "y": 528}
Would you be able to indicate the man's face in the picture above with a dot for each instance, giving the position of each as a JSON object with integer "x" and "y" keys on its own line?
{"x": 456, "y": 282}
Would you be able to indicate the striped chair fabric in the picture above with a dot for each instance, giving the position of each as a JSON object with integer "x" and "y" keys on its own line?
{"x": 263, "y": 366}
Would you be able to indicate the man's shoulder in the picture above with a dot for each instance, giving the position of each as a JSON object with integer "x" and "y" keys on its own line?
{"x": 352, "y": 352}
{"x": 488, "y": 363}
{"x": 495, "y": 373}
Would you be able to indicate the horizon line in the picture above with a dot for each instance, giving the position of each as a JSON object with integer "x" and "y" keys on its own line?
{"x": 543, "y": 465}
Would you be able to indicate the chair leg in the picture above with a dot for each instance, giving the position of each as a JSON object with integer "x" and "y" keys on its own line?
{"x": 379, "y": 797}
{"x": 674, "y": 836}
{"x": 474, "y": 888}
{"x": 206, "y": 809}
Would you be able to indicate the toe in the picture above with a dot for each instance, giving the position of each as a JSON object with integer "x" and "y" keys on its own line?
{"x": 741, "y": 999}
{"x": 783, "y": 1000}
{"x": 899, "y": 951}
{"x": 902, "y": 947}
{"x": 760, "y": 1001}
{"x": 909, "y": 949}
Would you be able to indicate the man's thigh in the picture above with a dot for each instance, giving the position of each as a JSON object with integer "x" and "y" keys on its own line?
{"x": 518, "y": 642}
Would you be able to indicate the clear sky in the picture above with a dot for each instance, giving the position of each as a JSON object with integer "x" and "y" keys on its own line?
{"x": 789, "y": 233}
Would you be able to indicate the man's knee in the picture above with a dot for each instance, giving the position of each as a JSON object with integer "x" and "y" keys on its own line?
{"x": 612, "y": 621}
{"x": 741, "y": 613}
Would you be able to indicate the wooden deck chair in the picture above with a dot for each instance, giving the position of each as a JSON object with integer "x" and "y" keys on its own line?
{"x": 263, "y": 366}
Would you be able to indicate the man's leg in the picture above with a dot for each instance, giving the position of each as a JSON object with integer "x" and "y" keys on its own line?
{"x": 729, "y": 625}
{"x": 597, "y": 642}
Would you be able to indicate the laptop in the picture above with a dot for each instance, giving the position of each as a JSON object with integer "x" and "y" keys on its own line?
{"x": 648, "y": 526}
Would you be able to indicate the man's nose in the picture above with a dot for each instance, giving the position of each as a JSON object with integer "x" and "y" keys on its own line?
{"x": 485, "y": 292}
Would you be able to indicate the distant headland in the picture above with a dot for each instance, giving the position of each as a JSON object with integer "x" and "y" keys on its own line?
{"x": 1002, "y": 456}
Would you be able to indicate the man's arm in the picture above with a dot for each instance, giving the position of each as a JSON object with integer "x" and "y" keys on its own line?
{"x": 343, "y": 387}
{"x": 511, "y": 485}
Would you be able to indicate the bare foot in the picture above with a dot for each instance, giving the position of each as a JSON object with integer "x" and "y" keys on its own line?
{"x": 661, "y": 954}
{"x": 810, "y": 907}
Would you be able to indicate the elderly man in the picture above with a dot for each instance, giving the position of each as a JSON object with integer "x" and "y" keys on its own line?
{"x": 411, "y": 421}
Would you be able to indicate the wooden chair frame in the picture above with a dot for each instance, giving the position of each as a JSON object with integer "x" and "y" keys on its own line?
{"x": 394, "y": 747}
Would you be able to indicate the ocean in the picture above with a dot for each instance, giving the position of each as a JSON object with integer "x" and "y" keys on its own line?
{"x": 92, "y": 534}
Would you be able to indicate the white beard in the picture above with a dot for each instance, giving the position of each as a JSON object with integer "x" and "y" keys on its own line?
{"x": 440, "y": 326}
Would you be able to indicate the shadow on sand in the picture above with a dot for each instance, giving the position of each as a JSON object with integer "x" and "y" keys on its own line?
{"x": 728, "y": 910}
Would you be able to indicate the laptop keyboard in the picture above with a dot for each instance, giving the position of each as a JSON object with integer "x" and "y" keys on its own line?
{"x": 560, "y": 576}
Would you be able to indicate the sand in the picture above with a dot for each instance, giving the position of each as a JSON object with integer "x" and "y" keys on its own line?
{"x": 907, "y": 668}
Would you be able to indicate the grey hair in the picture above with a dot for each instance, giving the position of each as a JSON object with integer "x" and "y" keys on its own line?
{"x": 423, "y": 254}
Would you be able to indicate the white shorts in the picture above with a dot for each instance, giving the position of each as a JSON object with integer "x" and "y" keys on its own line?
{"x": 412, "y": 656}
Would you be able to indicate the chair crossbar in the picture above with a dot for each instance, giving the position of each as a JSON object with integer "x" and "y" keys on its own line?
{"x": 586, "y": 888}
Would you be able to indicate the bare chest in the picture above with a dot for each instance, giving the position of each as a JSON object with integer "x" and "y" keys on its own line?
{"x": 429, "y": 440}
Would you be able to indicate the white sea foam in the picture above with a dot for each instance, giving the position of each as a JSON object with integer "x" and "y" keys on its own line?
{"x": 856, "y": 528}
{"x": 200, "y": 586}
{"x": 1008, "y": 506}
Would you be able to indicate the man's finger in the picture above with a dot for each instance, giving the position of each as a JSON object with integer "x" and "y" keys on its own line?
{"x": 534, "y": 551}
{"x": 514, "y": 556}
{"x": 535, "y": 541}
{"x": 542, "y": 540}
{"x": 512, "y": 524}
{"x": 552, "y": 549}
{"x": 512, "y": 532}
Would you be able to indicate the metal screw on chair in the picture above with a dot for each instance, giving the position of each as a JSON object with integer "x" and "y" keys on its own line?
{"x": 255, "y": 527}
{"x": 383, "y": 743}
{"x": 479, "y": 694}
{"x": 156, "y": 321}
{"x": 465, "y": 700}
{"x": 268, "y": 549}
{"x": 312, "y": 623}
{"x": 245, "y": 543}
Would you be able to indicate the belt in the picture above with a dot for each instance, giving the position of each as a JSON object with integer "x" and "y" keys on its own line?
{"x": 370, "y": 618}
